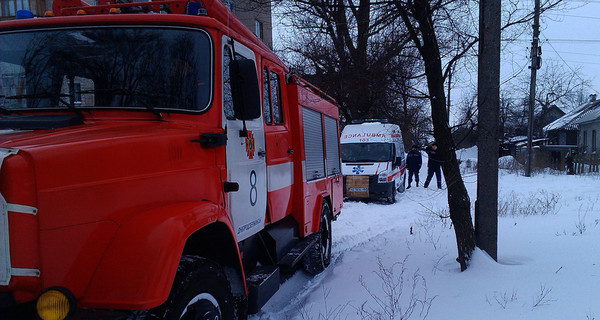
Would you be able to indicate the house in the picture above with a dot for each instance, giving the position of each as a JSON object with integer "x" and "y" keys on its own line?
{"x": 8, "y": 8}
{"x": 589, "y": 126}
{"x": 547, "y": 116}
{"x": 565, "y": 130}
{"x": 575, "y": 131}
{"x": 255, "y": 15}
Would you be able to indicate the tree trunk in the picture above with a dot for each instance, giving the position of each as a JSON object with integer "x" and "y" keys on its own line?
{"x": 458, "y": 199}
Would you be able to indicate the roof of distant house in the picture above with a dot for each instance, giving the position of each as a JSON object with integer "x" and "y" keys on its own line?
{"x": 591, "y": 115}
{"x": 570, "y": 120}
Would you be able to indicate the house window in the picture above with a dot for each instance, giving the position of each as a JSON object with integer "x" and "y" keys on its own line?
{"x": 9, "y": 7}
{"x": 593, "y": 140}
{"x": 258, "y": 29}
{"x": 584, "y": 141}
{"x": 229, "y": 5}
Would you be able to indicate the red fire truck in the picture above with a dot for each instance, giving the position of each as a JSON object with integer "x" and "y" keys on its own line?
{"x": 157, "y": 161}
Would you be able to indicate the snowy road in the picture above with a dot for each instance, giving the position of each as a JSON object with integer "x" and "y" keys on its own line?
{"x": 361, "y": 228}
{"x": 548, "y": 268}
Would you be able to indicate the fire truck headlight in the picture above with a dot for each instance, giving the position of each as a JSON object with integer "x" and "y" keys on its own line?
{"x": 55, "y": 303}
{"x": 383, "y": 177}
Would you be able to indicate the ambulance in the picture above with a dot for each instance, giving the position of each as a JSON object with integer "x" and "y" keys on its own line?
{"x": 373, "y": 160}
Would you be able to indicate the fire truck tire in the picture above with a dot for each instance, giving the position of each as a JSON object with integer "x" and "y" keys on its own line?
{"x": 319, "y": 256}
{"x": 200, "y": 291}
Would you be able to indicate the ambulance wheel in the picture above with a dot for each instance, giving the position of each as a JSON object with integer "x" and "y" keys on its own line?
{"x": 200, "y": 291}
{"x": 392, "y": 198}
{"x": 402, "y": 187}
{"x": 319, "y": 256}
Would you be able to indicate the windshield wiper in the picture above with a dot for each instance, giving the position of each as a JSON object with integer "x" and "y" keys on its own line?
{"x": 48, "y": 95}
{"x": 124, "y": 92}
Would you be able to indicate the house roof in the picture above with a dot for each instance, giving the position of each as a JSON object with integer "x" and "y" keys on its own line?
{"x": 556, "y": 109}
{"x": 589, "y": 116}
{"x": 570, "y": 120}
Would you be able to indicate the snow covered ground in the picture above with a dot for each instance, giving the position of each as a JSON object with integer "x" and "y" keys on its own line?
{"x": 548, "y": 258}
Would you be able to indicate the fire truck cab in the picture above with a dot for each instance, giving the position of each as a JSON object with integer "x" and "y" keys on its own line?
{"x": 157, "y": 161}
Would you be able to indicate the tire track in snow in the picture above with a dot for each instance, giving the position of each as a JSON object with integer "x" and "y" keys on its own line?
{"x": 360, "y": 225}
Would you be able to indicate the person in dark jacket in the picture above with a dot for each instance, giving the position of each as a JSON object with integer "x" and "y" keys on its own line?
{"x": 413, "y": 164}
{"x": 433, "y": 165}
{"x": 569, "y": 162}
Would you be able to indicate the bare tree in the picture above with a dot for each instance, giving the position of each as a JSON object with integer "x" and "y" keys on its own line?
{"x": 431, "y": 23}
{"x": 349, "y": 44}
{"x": 355, "y": 53}
{"x": 418, "y": 17}
{"x": 556, "y": 85}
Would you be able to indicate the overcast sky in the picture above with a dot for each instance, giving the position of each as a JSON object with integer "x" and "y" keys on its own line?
{"x": 573, "y": 38}
{"x": 570, "y": 37}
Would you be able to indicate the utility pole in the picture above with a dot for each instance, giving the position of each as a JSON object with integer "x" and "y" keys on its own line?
{"x": 536, "y": 63}
{"x": 488, "y": 129}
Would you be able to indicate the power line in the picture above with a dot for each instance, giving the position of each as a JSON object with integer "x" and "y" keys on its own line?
{"x": 579, "y": 62}
{"x": 574, "y": 16}
{"x": 555, "y": 40}
{"x": 583, "y": 1}
{"x": 568, "y": 66}
{"x": 573, "y": 40}
{"x": 580, "y": 54}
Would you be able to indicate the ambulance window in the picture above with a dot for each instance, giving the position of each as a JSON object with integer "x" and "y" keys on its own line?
{"x": 227, "y": 98}
{"x": 266, "y": 97}
{"x": 275, "y": 98}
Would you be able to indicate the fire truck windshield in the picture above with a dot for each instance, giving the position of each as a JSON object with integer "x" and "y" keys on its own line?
{"x": 106, "y": 67}
{"x": 367, "y": 152}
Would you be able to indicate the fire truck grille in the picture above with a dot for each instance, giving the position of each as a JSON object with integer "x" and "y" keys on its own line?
{"x": 4, "y": 244}
{"x": 5, "y": 268}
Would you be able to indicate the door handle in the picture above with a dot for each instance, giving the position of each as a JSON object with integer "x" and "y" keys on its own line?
{"x": 230, "y": 186}
{"x": 261, "y": 153}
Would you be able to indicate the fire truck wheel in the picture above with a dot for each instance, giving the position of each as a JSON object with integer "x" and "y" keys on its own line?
{"x": 200, "y": 291}
{"x": 319, "y": 256}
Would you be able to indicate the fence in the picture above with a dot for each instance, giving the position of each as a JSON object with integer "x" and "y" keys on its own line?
{"x": 586, "y": 163}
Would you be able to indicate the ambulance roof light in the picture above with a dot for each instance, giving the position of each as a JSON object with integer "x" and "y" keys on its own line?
{"x": 194, "y": 8}
{"x": 24, "y": 14}
{"x": 359, "y": 121}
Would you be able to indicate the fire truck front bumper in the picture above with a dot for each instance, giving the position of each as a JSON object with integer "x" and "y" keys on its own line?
{"x": 9, "y": 310}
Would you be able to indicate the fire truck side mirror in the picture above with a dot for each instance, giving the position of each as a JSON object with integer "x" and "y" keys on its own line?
{"x": 244, "y": 89}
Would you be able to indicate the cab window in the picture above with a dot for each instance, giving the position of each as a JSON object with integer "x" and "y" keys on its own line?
{"x": 275, "y": 98}
{"x": 266, "y": 97}
{"x": 272, "y": 97}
